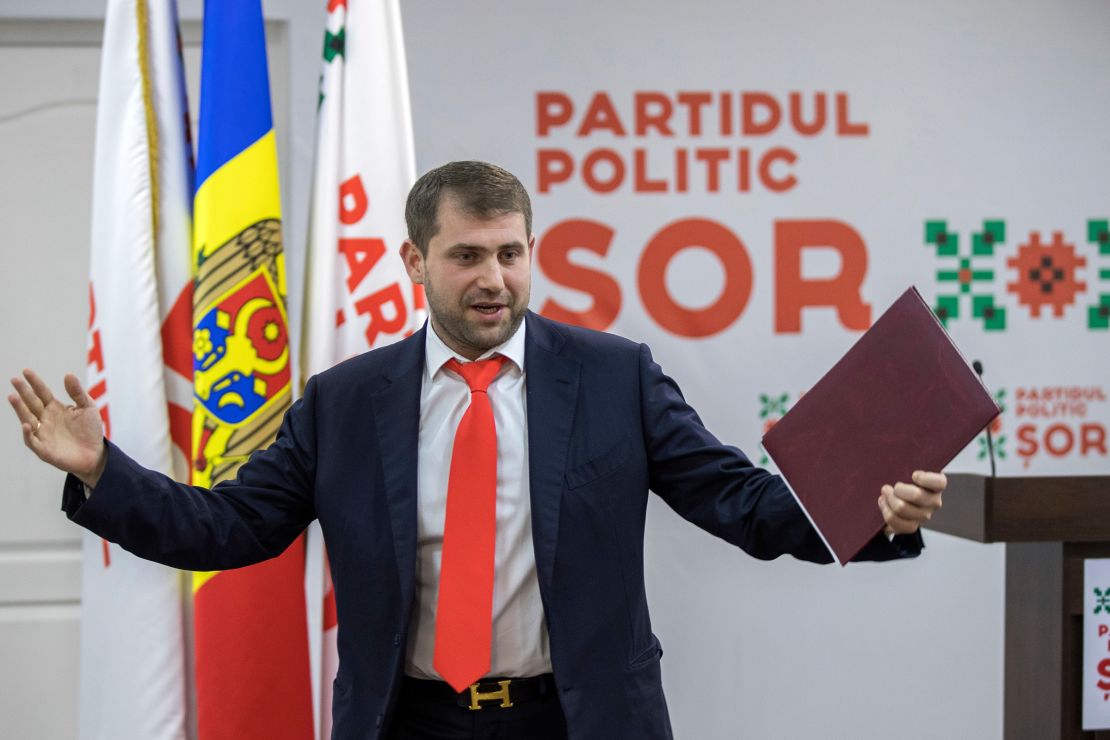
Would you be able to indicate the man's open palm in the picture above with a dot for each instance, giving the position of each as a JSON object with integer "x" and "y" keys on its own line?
{"x": 69, "y": 437}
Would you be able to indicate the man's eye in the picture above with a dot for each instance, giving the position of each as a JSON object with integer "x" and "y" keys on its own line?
{"x": 509, "y": 256}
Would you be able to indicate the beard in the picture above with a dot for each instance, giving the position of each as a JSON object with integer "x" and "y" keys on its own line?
{"x": 461, "y": 327}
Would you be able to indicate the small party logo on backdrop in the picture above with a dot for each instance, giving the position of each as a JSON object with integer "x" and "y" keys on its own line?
{"x": 772, "y": 407}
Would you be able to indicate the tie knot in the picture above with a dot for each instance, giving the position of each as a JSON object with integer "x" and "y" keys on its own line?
{"x": 478, "y": 374}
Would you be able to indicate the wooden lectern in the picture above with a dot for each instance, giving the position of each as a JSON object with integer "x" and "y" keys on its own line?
{"x": 1050, "y": 525}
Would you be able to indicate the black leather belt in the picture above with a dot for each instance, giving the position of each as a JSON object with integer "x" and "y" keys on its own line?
{"x": 489, "y": 693}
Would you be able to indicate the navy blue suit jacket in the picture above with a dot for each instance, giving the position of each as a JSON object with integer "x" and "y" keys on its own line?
{"x": 605, "y": 425}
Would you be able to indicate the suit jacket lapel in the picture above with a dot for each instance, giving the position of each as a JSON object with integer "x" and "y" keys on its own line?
{"x": 397, "y": 418}
{"x": 552, "y": 381}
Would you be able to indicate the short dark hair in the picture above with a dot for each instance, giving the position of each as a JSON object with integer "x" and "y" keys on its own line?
{"x": 480, "y": 189}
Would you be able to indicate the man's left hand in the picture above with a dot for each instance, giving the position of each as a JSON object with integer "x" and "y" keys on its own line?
{"x": 906, "y": 506}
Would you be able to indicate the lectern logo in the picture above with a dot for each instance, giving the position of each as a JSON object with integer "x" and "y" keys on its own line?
{"x": 1102, "y": 601}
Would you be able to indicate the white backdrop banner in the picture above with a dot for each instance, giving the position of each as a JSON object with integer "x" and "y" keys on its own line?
{"x": 746, "y": 187}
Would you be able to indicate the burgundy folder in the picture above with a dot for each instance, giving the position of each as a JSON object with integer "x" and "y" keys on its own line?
{"x": 902, "y": 399}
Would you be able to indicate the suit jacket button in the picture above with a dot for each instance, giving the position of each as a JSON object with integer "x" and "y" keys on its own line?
{"x": 378, "y": 722}
{"x": 397, "y": 639}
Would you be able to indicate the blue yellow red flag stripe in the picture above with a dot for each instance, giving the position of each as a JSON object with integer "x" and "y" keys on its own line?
{"x": 235, "y": 103}
{"x": 251, "y": 682}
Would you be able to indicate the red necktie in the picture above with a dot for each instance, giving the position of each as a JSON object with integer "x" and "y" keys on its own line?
{"x": 464, "y": 614}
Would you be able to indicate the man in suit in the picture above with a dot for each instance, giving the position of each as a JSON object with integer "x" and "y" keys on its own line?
{"x": 482, "y": 488}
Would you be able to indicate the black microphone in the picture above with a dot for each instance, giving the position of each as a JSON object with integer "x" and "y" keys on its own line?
{"x": 978, "y": 368}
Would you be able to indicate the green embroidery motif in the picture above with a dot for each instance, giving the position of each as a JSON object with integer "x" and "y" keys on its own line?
{"x": 965, "y": 275}
{"x": 1102, "y": 601}
{"x": 1098, "y": 314}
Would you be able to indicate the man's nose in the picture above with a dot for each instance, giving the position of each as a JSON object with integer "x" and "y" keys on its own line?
{"x": 490, "y": 277}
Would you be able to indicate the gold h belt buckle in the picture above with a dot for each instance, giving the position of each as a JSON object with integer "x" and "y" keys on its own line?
{"x": 477, "y": 696}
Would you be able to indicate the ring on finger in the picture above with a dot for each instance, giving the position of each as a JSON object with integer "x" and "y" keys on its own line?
{"x": 37, "y": 427}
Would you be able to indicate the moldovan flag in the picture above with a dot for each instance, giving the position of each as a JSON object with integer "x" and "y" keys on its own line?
{"x": 133, "y": 660}
{"x": 252, "y": 665}
{"x": 357, "y": 295}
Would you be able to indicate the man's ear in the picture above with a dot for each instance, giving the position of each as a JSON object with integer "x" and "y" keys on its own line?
{"x": 414, "y": 261}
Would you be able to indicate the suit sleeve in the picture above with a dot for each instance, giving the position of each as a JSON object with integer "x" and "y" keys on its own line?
{"x": 716, "y": 487}
{"x": 238, "y": 522}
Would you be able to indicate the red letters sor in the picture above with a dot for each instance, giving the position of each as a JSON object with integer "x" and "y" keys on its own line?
{"x": 793, "y": 291}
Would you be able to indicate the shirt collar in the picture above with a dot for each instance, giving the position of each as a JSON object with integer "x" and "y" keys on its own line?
{"x": 436, "y": 353}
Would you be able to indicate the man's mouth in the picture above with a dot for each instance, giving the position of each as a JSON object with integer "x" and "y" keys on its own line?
{"x": 488, "y": 309}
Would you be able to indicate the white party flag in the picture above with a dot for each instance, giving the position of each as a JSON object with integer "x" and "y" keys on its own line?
{"x": 357, "y": 295}
{"x": 133, "y": 658}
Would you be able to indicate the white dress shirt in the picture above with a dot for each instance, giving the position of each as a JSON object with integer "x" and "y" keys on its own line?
{"x": 520, "y": 641}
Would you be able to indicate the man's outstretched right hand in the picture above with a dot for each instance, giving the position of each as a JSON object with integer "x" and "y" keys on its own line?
{"x": 70, "y": 438}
